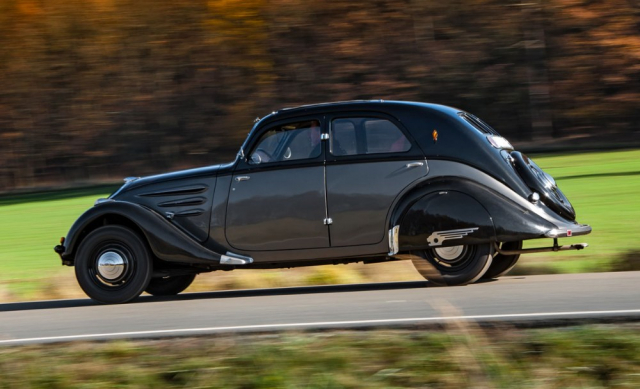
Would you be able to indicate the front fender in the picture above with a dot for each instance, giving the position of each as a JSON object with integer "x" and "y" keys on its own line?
{"x": 165, "y": 240}
{"x": 450, "y": 211}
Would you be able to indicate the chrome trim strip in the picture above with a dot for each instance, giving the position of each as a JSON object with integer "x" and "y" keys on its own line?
{"x": 439, "y": 237}
{"x": 394, "y": 246}
{"x": 179, "y": 191}
{"x": 102, "y": 201}
{"x": 414, "y": 164}
{"x": 183, "y": 202}
{"x": 235, "y": 259}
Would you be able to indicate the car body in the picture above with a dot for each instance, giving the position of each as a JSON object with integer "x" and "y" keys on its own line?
{"x": 358, "y": 181}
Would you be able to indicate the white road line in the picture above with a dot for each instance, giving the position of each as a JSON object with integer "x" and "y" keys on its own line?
{"x": 312, "y": 324}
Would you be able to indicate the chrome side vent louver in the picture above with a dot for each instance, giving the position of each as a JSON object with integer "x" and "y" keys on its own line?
{"x": 183, "y": 202}
{"x": 179, "y": 191}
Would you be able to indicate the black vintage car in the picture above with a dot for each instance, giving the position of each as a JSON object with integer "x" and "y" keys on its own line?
{"x": 360, "y": 181}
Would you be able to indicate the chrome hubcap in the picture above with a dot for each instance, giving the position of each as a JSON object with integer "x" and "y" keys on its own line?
{"x": 449, "y": 253}
{"x": 111, "y": 266}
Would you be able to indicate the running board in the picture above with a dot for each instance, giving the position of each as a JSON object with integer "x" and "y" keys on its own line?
{"x": 235, "y": 259}
{"x": 555, "y": 247}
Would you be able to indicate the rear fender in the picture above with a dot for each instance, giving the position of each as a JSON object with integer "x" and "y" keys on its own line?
{"x": 165, "y": 240}
{"x": 450, "y": 211}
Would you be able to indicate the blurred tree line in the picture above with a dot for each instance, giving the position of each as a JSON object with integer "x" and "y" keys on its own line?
{"x": 107, "y": 88}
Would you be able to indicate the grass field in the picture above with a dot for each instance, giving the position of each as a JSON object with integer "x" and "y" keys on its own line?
{"x": 460, "y": 356}
{"x": 603, "y": 187}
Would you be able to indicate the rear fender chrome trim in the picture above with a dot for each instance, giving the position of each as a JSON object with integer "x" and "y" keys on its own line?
{"x": 394, "y": 247}
{"x": 235, "y": 259}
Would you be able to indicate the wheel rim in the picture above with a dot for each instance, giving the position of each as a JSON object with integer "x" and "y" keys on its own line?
{"x": 449, "y": 253}
{"x": 452, "y": 258}
{"x": 113, "y": 266}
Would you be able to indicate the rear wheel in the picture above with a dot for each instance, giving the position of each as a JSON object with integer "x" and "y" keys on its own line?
{"x": 169, "y": 286}
{"x": 454, "y": 265}
{"x": 502, "y": 264}
{"x": 113, "y": 265}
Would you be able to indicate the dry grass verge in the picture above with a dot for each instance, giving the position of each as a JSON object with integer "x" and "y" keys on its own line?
{"x": 463, "y": 355}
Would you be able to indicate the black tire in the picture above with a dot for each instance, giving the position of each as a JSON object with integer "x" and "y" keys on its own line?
{"x": 169, "y": 286}
{"x": 502, "y": 264}
{"x": 113, "y": 265}
{"x": 465, "y": 268}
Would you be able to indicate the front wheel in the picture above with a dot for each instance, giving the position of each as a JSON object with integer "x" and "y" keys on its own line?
{"x": 169, "y": 286}
{"x": 113, "y": 265}
{"x": 454, "y": 265}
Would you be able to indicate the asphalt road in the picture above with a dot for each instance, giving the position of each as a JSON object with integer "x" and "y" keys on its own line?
{"x": 520, "y": 300}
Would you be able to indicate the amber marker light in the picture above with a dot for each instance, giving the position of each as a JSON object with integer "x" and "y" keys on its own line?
{"x": 62, "y": 240}
{"x": 435, "y": 135}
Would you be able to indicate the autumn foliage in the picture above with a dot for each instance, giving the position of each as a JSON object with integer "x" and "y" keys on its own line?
{"x": 107, "y": 88}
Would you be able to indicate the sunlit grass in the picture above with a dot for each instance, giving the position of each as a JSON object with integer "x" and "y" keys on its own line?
{"x": 30, "y": 230}
{"x": 603, "y": 188}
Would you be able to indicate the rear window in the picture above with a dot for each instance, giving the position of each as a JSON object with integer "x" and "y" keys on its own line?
{"x": 478, "y": 124}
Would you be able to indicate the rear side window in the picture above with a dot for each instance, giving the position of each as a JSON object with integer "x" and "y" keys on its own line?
{"x": 364, "y": 136}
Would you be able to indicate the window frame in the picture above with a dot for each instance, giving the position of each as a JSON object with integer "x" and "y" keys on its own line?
{"x": 256, "y": 137}
{"x": 413, "y": 151}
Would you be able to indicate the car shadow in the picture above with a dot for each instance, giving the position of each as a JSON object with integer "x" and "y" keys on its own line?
{"x": 75, "y": 303}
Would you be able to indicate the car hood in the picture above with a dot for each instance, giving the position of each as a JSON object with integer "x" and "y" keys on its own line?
{"x": 213, "y": 170}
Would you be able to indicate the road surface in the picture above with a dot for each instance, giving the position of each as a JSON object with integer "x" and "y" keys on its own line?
{"x": 526, "y": 299}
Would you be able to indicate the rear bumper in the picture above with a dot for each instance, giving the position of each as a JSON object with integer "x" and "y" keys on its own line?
{"x": 569, "y": 231}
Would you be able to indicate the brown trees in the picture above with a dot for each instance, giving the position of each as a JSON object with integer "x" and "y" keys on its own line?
{"x": 107, "y": 88}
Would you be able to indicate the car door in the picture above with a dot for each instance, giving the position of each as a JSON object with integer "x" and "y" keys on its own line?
{"x": 369, "y": 162}
{"x": 277, "y": 195}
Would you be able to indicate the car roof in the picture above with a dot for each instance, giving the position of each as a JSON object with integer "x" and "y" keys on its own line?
{"x": 382, "y": 105}
{"x": 392, "y": 107}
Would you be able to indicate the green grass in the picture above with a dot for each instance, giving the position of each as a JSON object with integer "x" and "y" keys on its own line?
{"x": 461, "y": 356}
{"x": 603, "y": 187}
{"x": 31, "y": 228}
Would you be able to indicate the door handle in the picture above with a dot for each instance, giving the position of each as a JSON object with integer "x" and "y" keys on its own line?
{"x": 414, "y": 164}
{"x": 242, "y": 178}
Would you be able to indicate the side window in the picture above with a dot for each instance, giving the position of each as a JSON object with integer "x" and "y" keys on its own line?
{"x": 384, "y": 137}
{"x": 357, "y": 136}
{"x": 343, "y": 137}
{"x": 292, "y": 141}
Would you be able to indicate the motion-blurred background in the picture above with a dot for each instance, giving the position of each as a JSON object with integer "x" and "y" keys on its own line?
{"x": 95, "y": 90}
